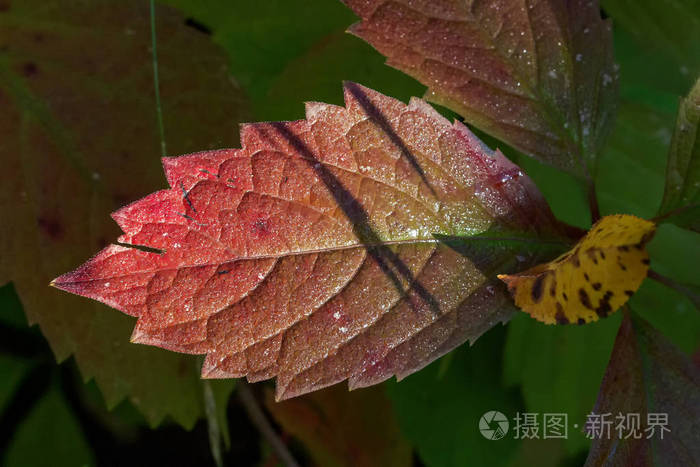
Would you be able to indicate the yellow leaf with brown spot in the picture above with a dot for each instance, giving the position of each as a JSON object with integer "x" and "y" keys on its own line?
{"x": 590, "y": 281}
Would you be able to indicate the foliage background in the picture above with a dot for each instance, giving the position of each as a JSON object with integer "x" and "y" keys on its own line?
{"x": 281, "y": 54}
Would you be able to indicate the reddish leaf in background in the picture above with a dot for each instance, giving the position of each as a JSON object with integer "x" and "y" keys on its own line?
{"x": 647, "y": 375}
{"x": 341, "y": 428}
{"x": 78, "y": 139}
{"x": 310, "y": 254}
{"x": 537, "y": 74}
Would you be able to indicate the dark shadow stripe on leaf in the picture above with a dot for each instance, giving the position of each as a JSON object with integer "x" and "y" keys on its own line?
{"x": 362, "y": 228}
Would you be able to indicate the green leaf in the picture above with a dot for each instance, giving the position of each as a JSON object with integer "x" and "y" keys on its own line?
{"x": 439, "y": 411}
{"x": 314, "y": 76}
{"x": 565, "y": 194}
{"x": 79, "y": 137}
{"x": 49, "y": 436}
{"x": 648, "y": 375}
{"x": 668, "y": 29}
{"x": 682, "y": 192}
{"x": 11, "y": 312}
{"x": 670, "y": 311}
{"x": 647, "y": 76}
{"x": 631, "y": 170}
{"x": 630, "y": 176}
{"x": 262, "y": 38}
{"x": 631, "y": 180}
{"x": 287, "y": 52}
{"x": 12, "y": 369}
{"x": 559, "y": 368}
{"x": 674, "y": 253}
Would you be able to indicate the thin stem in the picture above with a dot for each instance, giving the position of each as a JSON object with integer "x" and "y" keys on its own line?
{"x": 212, "y": 423}
{"x": 661, "y": 279}
{"x": 593, "y": 203}
{"x": 257, "y": 416}
{"x": 156, "y": 82}
{"x": 673, "y": 212}
{"x": 689, "y": 291}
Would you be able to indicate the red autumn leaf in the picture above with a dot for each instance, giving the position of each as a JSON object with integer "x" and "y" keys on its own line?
{"x": 310, "y": 254}
{"x": 538, "y": 75}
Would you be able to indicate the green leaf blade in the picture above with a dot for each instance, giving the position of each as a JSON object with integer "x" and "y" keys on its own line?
{"x": 682, "y": 193}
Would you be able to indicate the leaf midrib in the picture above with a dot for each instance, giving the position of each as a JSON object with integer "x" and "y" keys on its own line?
{"x": 528, "y": 240}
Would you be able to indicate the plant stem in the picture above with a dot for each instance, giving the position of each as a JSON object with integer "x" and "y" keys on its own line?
{"x": 673, "y": 212}
{"x": 257, "y": 416}
{"x": 212, "y": 423}
{"x": 156, "y": 82}
{"x": 668, "y": 282}
{"x": 593, "y": 202}
{"x": 689, "y": 291}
